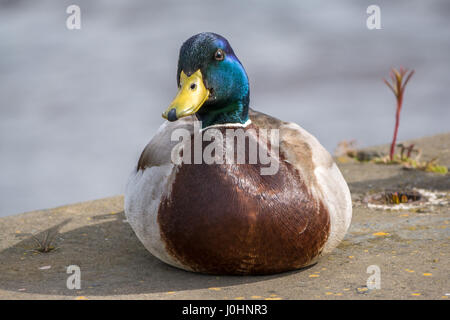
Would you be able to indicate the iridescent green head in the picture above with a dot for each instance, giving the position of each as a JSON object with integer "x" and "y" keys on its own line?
{"x": 212, "y": 82}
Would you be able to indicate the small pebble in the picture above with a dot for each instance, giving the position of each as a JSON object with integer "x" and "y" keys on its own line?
{"x": 45, "y": 267}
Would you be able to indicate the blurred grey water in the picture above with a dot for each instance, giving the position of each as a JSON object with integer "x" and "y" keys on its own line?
{"x": 77, "y": 107}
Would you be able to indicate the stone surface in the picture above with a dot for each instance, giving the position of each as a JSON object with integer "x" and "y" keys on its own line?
{"x": 411, "y": 249}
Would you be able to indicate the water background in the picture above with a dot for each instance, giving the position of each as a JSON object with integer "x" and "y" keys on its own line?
{"x": 77, "y": 107}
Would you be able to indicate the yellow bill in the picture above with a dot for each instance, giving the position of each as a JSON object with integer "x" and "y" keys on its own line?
{"x": 190, "y": 97}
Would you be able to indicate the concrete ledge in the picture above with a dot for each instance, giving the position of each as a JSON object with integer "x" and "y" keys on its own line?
{"x": 412, "y": 251}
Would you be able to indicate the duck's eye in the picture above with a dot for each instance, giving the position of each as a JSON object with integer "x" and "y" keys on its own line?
{"x": 219, "y": 55}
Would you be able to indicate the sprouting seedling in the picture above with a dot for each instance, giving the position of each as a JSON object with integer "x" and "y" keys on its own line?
{"x": 399, "y": 80}
{"x": 44, "y": 245}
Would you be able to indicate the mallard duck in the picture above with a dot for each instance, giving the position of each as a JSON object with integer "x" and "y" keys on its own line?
{"x": 228, "y": 218}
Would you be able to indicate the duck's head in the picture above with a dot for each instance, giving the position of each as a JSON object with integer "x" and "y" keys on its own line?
{"x": 212, "y": 83}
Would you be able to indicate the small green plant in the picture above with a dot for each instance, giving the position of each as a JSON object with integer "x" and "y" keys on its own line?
{"x": 44, "y": 245}
{"x": 404, "y": 158}
{"x": 432, "y": 166}
{"x": 399, "y": 79}
{"x": 409, "y": 163}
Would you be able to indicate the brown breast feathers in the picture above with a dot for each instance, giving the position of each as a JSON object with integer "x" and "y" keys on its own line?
{"x": 230, "y": 219}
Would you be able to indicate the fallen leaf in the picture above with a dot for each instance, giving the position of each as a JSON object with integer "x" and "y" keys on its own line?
{"x": 380, "y": 234}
